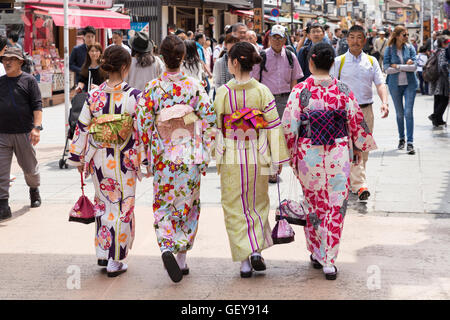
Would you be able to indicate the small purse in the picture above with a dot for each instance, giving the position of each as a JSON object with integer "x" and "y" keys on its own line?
{"x": 83, "y": 210}
{"x": 282, "y": 232}
{"x": 292, "y": 211}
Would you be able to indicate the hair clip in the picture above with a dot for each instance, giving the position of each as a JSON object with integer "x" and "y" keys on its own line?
{"x": 243, "y": 57}
{"x": 313, "y": 55}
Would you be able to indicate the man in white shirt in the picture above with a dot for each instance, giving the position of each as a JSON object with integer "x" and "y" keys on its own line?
{"x": 117, "y": 39}
{"x": 358, "y": 71}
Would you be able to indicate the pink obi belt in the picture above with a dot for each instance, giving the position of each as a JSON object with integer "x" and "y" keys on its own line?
{"x": 176, "y": 122}
{"x": 243, "y": 120}
{"x": 323, "y": 127}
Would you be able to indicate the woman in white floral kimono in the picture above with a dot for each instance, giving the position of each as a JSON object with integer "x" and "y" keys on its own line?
{"x": 104, "y": 145}
{"x": 176, "y": 122}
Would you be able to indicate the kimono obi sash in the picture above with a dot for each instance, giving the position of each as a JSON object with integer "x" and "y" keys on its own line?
{"x": 175, "y": 122}
{"x": 323, "y": 127}
{"x": 244, "y": 119}
{"x": 111, "y": 128}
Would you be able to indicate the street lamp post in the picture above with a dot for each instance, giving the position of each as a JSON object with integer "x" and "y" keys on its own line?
{"x": 66, "y": 67}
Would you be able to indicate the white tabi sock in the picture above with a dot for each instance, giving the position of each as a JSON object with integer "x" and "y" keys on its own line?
{"x": 256, "y": 254}
{"x": 246, "y": 266}
{"x": 329, "y": 269}
{"x": 181, "y": 259}
{"x": 115, "y": 265}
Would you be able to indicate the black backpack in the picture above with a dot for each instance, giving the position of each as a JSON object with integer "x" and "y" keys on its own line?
{"x": 264, "y": 59}
{"x": 430, "y": 72}
{"x": 343, "y": 46}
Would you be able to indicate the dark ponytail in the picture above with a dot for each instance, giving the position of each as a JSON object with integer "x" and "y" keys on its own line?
{"x": 246, "y": 55}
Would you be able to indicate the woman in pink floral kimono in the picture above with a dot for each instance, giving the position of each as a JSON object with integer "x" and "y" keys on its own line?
{"x": 325, "y": 131}
{"x": 176, "y": 123}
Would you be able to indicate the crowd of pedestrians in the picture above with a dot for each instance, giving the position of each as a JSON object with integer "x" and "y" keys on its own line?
{"x": 254, "y": 103}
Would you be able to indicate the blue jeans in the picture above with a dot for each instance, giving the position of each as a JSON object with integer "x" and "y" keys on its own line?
{"x": 404, "y": 112}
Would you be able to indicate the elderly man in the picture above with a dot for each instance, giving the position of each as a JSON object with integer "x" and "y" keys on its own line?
{"x": 279, "y": 71}
{"x": 117, "y": 39}
{"x": 20, "y": 127}
{"x": 239, "y": 30}
{"x": 78, "y": 55}
{"x": 358, "y": 71}
{"x": 316, "y": 33}
{"x": 253, "y": 38}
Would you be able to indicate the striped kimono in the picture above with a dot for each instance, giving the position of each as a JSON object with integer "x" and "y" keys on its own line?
{"x": 244, "y": 166}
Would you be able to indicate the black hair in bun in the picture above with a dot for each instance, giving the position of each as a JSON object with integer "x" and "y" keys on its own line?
{"x": 173, "y": 50}
{"x": 322, "y": 54}
{"x": 246, "y": 55}
{"x": 114, "y": 58}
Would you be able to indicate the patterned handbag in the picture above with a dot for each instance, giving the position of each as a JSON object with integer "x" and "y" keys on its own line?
{"x": 83, "y": 210}
{"x": 282, "y": 232}
{"x": 323, "y": 126}
{"x": 292, "y": 211}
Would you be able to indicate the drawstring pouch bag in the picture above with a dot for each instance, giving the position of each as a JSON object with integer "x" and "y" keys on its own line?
{"x": 83, "y": 210}
{"x": 282, "y": 232}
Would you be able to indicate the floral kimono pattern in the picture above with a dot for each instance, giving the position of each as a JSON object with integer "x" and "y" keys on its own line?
{"x": 323, "y": 170}
{"x": 244, "y": 164}
{"x": 176, "y": 163}
{"x": 114, "y": 167}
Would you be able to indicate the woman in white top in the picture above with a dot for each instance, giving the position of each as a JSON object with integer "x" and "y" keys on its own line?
{"x": 192, "y": 65}
{"x": 144, "y": 65}
{"x": 422, "y": 59}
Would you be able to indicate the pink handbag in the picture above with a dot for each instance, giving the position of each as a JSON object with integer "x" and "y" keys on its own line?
{"x": 83, "y": 210}
{"x": 282, "y": 232}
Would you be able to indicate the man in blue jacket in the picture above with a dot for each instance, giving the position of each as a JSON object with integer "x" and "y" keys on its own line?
{"x": 78, "y": 55}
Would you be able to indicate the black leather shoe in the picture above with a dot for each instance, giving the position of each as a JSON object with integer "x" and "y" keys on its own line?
{"x": 257, "y": 262}
{"x": 102, "y": 262}
{"x": 333, "y": 275}
{"x": 401, "y": 144}
{"x": 5, "y": 212}
{"x": 172, "y": 267}
{"x": 185, "y": 271}
{"x": 316, "y": 264}
{"x": 246, "y": 274}
{"x": 410, "y": 149}
{"x": 35, "y": 198}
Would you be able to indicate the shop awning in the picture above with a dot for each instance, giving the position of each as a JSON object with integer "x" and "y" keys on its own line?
{"x": 81, "y": 18}
{"x": 234, "y": 3}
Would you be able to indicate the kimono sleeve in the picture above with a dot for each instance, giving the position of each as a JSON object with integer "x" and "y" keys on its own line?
{"x": 145, "y": 119}
{"x": 275, "y": 135}
{"x": 78, "y": 147}
{"x": 359, "y": 131}
{"x": 291, "y": 122}
{"x": 204, "y": 109}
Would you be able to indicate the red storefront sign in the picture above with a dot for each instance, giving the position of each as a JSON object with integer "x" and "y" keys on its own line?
{"x": 103, "y": 4}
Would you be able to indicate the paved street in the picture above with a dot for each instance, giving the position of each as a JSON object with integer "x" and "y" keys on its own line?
{"x": 394, "y": 247}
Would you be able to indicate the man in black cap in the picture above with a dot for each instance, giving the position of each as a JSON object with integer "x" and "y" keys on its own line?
{"x": 78, "y": 55}
{"x": 20, "y": 127}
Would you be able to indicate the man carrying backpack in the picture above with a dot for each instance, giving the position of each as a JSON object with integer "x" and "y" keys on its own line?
{"x": 359, "y": 71}
{"x": 279, "y": 71}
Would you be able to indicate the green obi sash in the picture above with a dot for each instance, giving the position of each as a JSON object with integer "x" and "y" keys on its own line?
{"x": 111, "y": 128}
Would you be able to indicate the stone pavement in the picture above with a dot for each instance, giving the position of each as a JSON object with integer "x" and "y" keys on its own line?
{"x": 393, "y": 247}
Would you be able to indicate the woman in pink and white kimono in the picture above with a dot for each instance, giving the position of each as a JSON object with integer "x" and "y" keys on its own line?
{"x": 325, "y": 131}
